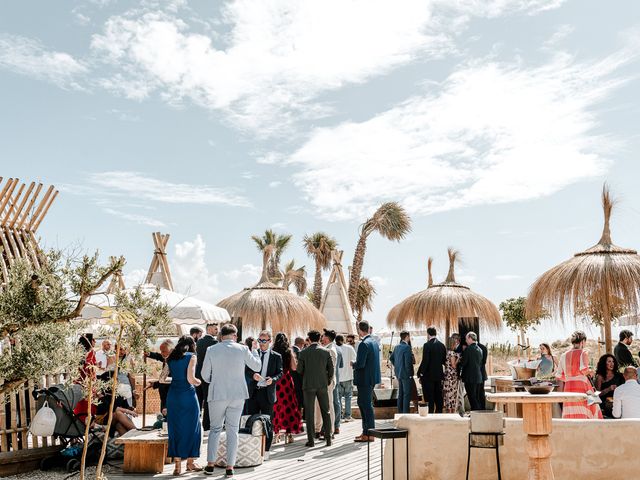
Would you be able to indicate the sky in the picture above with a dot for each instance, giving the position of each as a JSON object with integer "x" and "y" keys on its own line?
{"x": 493, "y": 122}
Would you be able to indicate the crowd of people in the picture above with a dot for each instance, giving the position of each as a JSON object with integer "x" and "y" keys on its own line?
{"x": 209, "y": 380}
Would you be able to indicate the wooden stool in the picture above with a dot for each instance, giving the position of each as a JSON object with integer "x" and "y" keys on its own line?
{"x": 387, "y": 434}
{"x": 479, "y": 440}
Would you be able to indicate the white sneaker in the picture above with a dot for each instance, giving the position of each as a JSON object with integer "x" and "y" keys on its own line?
{"x": 348, "y": 419}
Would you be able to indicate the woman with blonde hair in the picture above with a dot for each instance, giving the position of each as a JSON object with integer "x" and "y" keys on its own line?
{"x": 573, "y": 370}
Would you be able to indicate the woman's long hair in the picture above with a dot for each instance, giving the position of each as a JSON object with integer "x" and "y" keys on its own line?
{"x": 601, "y": 368}
{"x": 85, "y": 340}
{"x": 281, "y": 346}
{"x": 185, "y": 344}
{"x": 546, "y": 345}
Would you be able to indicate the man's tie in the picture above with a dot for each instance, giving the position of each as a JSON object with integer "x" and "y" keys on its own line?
{"x": 262, "y": 357}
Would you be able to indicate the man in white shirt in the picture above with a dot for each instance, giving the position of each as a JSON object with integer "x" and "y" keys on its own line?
{"x": 345, "y": 374}
{"x": 105, "y": 358}
{"x": 626, "y": 398}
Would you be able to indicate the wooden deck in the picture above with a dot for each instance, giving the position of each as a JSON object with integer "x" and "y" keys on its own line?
{"x": 345, "y": 459}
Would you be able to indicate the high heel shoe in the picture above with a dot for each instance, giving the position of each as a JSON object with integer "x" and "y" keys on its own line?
{"x": 288, "y": 438}
{"x": 277, "y": 439}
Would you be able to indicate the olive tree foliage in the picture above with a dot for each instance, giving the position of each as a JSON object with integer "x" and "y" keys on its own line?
{"x": 37, "y": 305}
{"x": 514, "y": 315}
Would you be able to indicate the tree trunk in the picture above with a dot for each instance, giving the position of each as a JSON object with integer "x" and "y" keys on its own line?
{"x": 317, "y": 286}
{"x": 356, "y": 268}
{"x": 114, "y": 392}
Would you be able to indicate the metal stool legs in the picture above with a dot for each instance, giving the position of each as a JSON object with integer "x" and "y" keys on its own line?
{"x": 496, "y": 437}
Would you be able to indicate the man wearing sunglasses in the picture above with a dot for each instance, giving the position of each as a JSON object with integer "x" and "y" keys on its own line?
{"x": 262, "y": 388}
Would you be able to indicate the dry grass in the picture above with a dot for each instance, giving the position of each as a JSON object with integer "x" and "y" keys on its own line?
{"x": 443, "y": 304}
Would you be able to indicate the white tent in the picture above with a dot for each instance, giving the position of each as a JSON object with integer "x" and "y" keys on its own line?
{"x": 335, "y": 301}
{"x": 185, "y": 312}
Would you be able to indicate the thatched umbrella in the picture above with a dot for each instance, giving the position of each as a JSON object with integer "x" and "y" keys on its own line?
{"x": 595, "y": 276}
{"x": 443, "y": 304}
{"x": 268, "y": 305}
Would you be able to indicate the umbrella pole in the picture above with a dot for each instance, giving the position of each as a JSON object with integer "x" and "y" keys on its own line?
{"x": 606, "y": 318}
{"x": 144, "y": 392}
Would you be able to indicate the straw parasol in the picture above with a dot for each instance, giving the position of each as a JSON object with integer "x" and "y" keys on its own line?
{"x": 443, "y": 304}
{"x": 268, "y": 305}
{"x": 604, "y": 271}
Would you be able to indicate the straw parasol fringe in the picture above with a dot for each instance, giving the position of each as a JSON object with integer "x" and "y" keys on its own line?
{"x": 604, "y": 270}
{"x": 266, "y": 305}
{"x": 441, "y": 305}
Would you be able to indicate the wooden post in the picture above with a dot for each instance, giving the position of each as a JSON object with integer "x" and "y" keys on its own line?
{"x": 18, "y": 212}
{"x": 144, "y": 392}
{"x": 29, "y": 207}
{"x": 44, "y": 212}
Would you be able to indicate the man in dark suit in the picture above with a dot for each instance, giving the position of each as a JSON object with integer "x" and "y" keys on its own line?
{"x": 402, "y": 361}
{"x": 621, "y": 350}
{"x": 481, "y": 395}
{"x": 298, "y": 345}
{"x": 166, "y": 348}
{"x": 366, "y": 375}
{"x": 202, "y": 390}
{"x": 472, "y": 371}
{"x": 431, "y": 371}
{"x": 317, "y": 370}
{"x": 262, "y": 388}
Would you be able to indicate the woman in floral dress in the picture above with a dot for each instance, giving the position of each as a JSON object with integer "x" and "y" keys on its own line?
{"x": 286, "y": 414}
{"x": 573, "y": 369}
{"x": 451, "y": 380}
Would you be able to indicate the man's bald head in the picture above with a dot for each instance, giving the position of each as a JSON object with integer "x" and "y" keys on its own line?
{"x": 630, "y": 373}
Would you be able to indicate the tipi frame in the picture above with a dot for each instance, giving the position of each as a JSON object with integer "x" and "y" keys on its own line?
{"x": 159, "y": 273}
{"x": 337, "y": 277}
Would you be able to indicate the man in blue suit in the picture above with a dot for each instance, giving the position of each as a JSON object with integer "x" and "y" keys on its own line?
{"x": 402, "y": 361}
{"x": 366, "y": 375}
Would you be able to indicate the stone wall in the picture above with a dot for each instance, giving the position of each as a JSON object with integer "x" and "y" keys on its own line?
{"x": 582, "y": 449}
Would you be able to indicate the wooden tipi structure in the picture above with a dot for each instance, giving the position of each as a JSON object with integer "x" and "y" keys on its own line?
{"x": 159, "y": 273}
{"x": 22, "y": 210}
{"x": 117, "y": 279}
{"x": 335, "y": 301}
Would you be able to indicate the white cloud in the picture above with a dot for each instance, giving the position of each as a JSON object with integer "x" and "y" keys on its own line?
{"x": 190, "y": 272}
{"x": 493, "y": 133}
{"x": 135, "y": 277}
{"x": 507, "y": 277}
{"x": 137, "y": 185}
{"x": 275, "y": 184}
{"x": 379, "y": 281}
{"x": 28, "y": 57}
{"x": 245, "y": 276}
{"x": 279, "y": 56}
{"x": 133, "y": 217}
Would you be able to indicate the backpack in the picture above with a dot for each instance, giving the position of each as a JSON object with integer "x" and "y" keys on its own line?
{"x": 44, "y": 423}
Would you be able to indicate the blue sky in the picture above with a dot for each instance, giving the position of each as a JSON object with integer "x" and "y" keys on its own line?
{"x": 494, "y": 122}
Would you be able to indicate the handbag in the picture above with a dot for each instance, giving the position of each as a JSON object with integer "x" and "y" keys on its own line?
{"x": 44, "y": 422}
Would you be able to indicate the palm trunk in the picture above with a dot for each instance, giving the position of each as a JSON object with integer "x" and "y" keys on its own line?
{"x": 356, "y": 268}
{"x": 317, "y": 286}
{"x": 114, "y": 392}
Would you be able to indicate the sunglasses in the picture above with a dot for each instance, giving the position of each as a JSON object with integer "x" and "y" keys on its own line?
{"x": 263, "y": 340}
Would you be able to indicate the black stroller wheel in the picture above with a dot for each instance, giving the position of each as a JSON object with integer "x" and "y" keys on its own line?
{"x": 73, "y": 465}
{"x": 45, "y": 463}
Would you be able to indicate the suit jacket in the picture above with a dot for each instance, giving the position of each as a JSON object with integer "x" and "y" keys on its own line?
{"x": 274, "y": 370}
{"x": 483, "y": 368}
{"x": 402, "y": 361}
{"x": 333, "y": 352}
{"x": 623, "y": 355}
{"x": 201, "y": 350}
{"x": 223, "y": 369}
{"x": 366, "y": 371}
{"x": 472, "y": 364}
{"x": 315, "y": 367}
{"x": 434, "y": 357}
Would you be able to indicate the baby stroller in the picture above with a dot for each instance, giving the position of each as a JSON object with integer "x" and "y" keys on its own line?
{"x": 69, "y": 428}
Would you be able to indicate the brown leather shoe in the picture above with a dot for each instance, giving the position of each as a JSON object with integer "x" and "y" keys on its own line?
{"x": 363, "y": 438}
{"x": 336, "y": 431}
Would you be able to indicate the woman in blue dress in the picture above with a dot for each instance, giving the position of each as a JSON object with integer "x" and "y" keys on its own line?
{"x": 183, "y": 411}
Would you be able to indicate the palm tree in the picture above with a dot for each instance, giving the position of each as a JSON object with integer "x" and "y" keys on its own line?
{"x": 364, "y": 297}
{"x": 295, "y": 276}
{"x": 280, "y": 243}
{"x": 319, "y": 246}
{"x": 393, "y": 223}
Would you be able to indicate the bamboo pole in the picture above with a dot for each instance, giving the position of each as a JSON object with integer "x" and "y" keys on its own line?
{"x": 40, "y": 207}
{"x": 12, "y": 242}
{"x": 22, "y": 204}
{"x": 12, "y": 204}
{"x": 45, "y": 211}
{"x": 6, "y": 194}
{"x": 29, "y": 207}
{"x": 5, "y": 244}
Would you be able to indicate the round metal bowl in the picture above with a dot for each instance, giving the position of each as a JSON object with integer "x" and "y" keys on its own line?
{"x": 539, "y": 389}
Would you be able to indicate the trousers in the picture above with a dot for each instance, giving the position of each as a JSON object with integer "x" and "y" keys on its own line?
{"x": 332, "y": 412}
{"x": 365, "y": 404}
{"x": 404, "y": 394}
{"x": 225, "y": 413}
{"x": 432, "y": 391}
{"x": 310, "y": 397}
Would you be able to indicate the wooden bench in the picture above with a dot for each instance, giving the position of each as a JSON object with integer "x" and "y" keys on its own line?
{"x": 144, "y": 451}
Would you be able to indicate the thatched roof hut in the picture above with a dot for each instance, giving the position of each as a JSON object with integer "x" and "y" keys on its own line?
{"x": 443, "y": 304}
{"x": 266, "y": 305}
{"x": 599, "y": 275}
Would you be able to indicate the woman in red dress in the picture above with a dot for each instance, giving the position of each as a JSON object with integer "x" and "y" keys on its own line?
{"x": 573, "y": 369}
{"x": 87, "y": 368}
{"x": 286, "y": 414}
